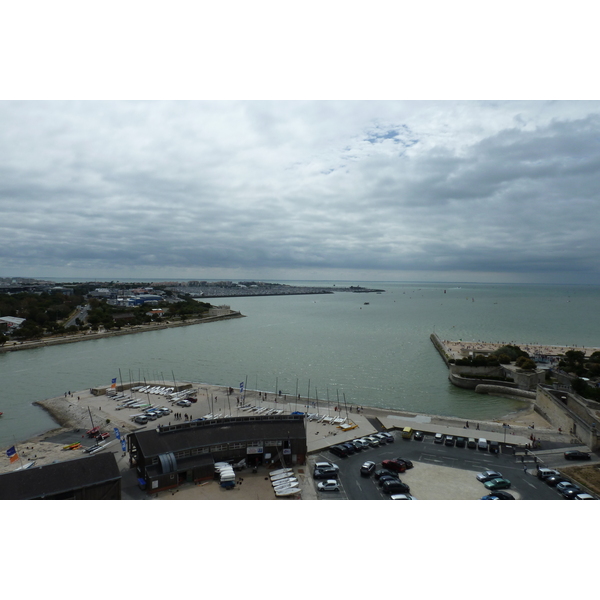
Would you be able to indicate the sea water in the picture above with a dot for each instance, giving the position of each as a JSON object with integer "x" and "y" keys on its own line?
{"x": 365, "y": 349}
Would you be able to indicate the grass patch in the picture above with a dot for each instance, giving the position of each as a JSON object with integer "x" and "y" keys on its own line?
{"x": 588, "y": 475}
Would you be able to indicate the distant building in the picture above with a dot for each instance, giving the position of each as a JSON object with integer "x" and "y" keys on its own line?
{"x": 219, "y": 311}
{"x": 11, "y": 322}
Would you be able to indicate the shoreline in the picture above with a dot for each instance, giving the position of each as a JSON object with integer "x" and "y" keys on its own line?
{"x": 83, "y": 337}
{"x": 75, "y": 414}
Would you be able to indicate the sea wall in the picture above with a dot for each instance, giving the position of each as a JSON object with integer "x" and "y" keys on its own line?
{"x": 570, "y": 413}
{"x": 439, "y": 345}
{"x": 71, "y": 339}
{"x": 503, "y": 390}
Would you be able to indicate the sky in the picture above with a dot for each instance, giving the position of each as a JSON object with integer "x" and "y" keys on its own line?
{"x": 502, "y": 191}
{"x": 257, "y": 141}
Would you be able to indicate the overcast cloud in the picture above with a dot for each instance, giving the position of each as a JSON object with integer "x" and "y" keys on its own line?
{"x": 438, "y": 191}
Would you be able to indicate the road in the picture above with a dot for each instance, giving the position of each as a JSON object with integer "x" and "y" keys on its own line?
{"x": 440, "y": 472}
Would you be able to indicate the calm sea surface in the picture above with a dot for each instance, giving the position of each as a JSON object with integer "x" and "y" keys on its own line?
{"x": 376, "y": 354}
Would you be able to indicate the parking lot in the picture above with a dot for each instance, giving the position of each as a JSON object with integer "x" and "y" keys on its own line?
{"x": 440, "y": 472}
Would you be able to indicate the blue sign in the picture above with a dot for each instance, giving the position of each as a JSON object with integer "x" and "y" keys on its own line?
{"x": 242, "y": 387}
{"x": 117, "y": 433}
{"x": 123, "y": 445}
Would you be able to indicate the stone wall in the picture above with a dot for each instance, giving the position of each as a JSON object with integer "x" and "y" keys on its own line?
{"x": 570, "y": 414}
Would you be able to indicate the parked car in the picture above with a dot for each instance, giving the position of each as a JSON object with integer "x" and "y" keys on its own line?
{"x": 449, "y": 441}
{"x": 497, "y": 484}
{"x": 389, "y": 438}
{"x": 358, "y": 447}
{"x": 407, "y": 462}
{"x": 584, "y": 497}
{"x": 471, "y": 443}
{"x": 577, "y": 455}
{"x": 543, "y": 473}
{"x": 500, "y": 495}
{"x": 364, "y": 443}
{"x": 561, "y": 486}
{"x": 553, "y": 480}
{"x": 438, "y": 438}
{"x": 394, "y": 465}
{"x": 571, "y": 492}
{"x": 461, "y": 442}
{"x": 373, "y": 441}
{"x": 395, "y": 487}
{"x": 385, "y": 478}
{"x": 402, "y": 497}
{"x": 418, "y": 435}
{"x": 326, "y": 465}
{"x": 367, "y": 468}
{"x": 350, "y": 448}
{"x": 488, "y": 476}
{"x": 325, "y": 474}
{"x": 381, "y": 472}
{"x": 338, "y": 451}
{"x": 494, "y": 447}
{"x": 328, "y": 486}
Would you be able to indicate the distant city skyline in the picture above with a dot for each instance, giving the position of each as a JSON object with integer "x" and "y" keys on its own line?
{"x": 438, "y": 191}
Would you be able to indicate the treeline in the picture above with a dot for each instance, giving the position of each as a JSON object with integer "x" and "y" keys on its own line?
{"x": 45, "y": 314}
{"x": 502, "y": 356}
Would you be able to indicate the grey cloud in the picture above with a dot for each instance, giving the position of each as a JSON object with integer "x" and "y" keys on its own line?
{"x": 391, "y": 187}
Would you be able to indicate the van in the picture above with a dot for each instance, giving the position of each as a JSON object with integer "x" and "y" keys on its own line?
{"x": 482, "y": 444}
{"x": 142, "y": 419}
{"x": 471, "y": 443}
{"x": 407, "y": 433}
{"x": 543, "y": 473}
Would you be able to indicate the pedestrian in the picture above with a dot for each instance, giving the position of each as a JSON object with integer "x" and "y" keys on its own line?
{"x": 477, "y": 426}
{"x": 467, "y": 425}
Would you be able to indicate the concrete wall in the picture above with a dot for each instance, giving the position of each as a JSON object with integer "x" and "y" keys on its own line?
{"x": 570, "y": 415}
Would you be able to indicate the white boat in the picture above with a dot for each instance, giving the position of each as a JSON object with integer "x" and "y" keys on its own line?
{"x": 287, "y": 492}
{"x": 280, "y": 471}
{"x": 282, "y": 476}
{"x": 281, "y": 480}
{"x": 26, "y": 466}
{"x": 290, "y": 484}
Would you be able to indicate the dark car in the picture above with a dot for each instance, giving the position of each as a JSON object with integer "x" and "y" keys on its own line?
{"x": 394, "y": 465}
{"x": 553, "y": 480}
{"x": 407, "y": 462}
{"x": 395, "y": 487}
{"x": 338, "y": 451}
{"x": 501, "y": 495}
{"x": 494, "y": 447}
{"x": 418, "y": 436}
{"x": 570, "y": 492}
{"x": 577, "y": 455}
{"x": 385, "y": 478}
{"x": 367, "y": 468}
{"x": 449, "y": 441}
{"x": 461, "y": 442}
{"x": 350, "y": 448}
{"x": 388, "y": 437}
{"x": 357, "y": 445}
{"x": 381, "y": 472}
{"x": 325, "y": 474}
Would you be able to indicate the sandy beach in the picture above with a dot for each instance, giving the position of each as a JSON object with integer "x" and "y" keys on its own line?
{"x": 460, "y": 348}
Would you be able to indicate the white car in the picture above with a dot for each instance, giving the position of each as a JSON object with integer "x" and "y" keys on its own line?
{"x": 183, "y": 403}
{"x": 488, "y": 476}
{"x": 331, "y": 485}
{"x": 402, "y": 497}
